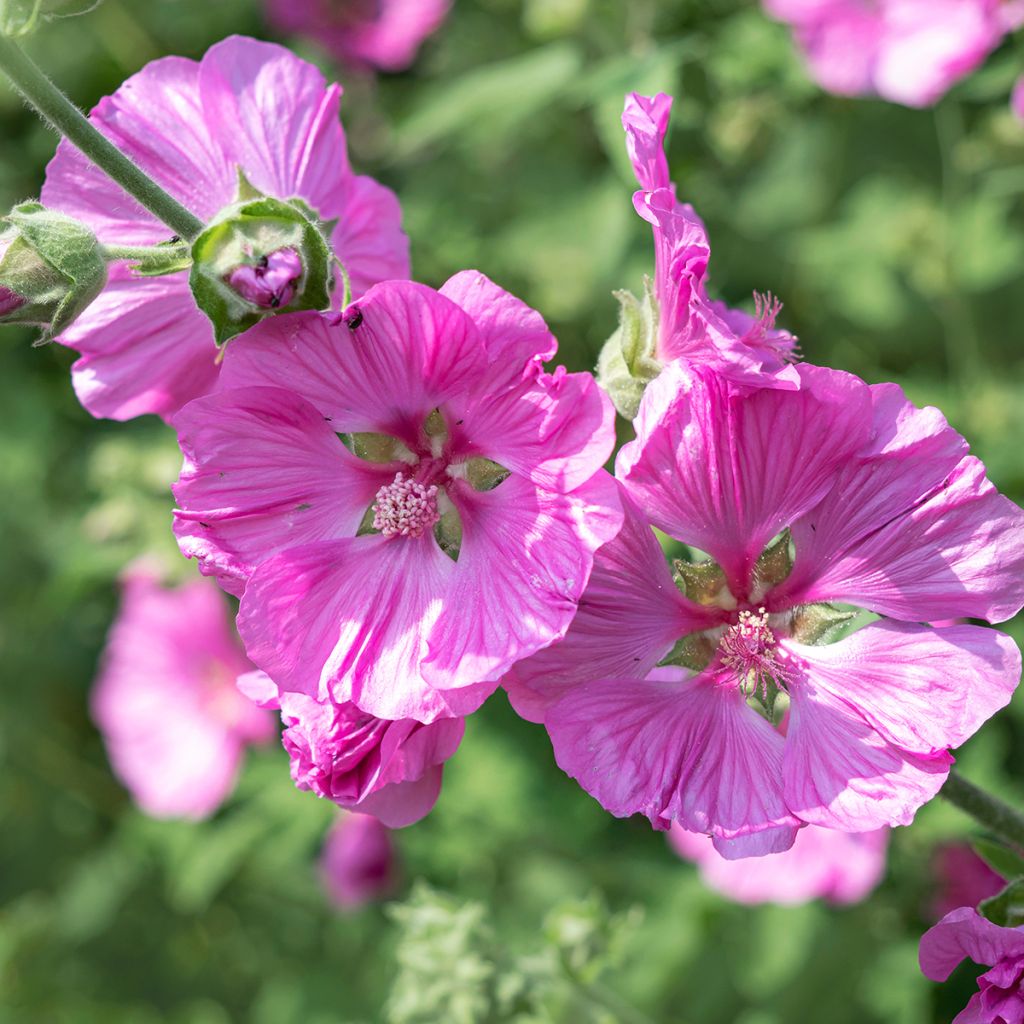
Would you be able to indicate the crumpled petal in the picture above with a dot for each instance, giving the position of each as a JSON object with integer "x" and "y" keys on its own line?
{"x": 965, "y": 933}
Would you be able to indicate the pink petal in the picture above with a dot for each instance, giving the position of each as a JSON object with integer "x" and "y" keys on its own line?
{"x": 515, "y": 336}
{"x": 842, "y": 46}
{"x": 525, "y": 559}
{"x": 278, "y": 118}
{"x": 144, "y": 346}
{"x": 725, "y": 468}
{"x": 557, "y": 429}
{"x": 674, "y": 749}
{"x": 923, "y": 689}
{"x": 965, "y": 933}
{"x": 156, "y": 119}
{"x": 351, "y": 618}
{"x": 369, "y": 239}
{"x": 410, "y": 351}
{"x": 264, "y": 472}
{"x": 629, "y": 618}
{"x": 839, "y": 772}
{"x": 404, "y": 803}
{"x": 645, "y": 120}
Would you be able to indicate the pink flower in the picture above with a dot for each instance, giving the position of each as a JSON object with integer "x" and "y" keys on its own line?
{"x": 650, "y": 698}
{"x": 382, "y": 34}
{"x": 965, "y": 933}
{"x": 962, "y": 879}
{"x": 165, "y": 700}
{"x": 453, "y": 536}
{"x": 357, "y": 865}
{"x": 1017, "y": 98}
{"x": 270, "y": 283}
{"x": 821, "y": 864}
{"x": 906, "y": 51}
{"x": 391, "y": 770}
{"x": 689, "y": 325}
{"x": 144, "y": 345}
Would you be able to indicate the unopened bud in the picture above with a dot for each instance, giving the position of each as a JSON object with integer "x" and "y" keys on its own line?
{"x": 258, "y": 257}
{"x": 271, "y": 282}
{"x": 628, "y": 361}
{"x": 51, "y": 268}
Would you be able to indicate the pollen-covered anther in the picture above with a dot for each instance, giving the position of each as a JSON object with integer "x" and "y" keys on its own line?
{"x": 405, "y": 508}
{"x": 749, "y": 648}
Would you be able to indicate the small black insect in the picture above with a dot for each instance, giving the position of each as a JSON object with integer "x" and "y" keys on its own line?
{"x": 354, "y": 318}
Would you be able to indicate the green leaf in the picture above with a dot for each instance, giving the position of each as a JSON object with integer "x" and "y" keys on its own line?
{"x": 1001, "y": 859}
{"x": 1006, "y": 909}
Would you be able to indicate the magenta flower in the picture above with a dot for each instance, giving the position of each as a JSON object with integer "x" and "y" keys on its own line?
{"x": 383, "y": 34}
{"x": 389, "y": 769}
{"x": 271, "y": 282}
{"x": 688, "y": 324}
{"x": 965, "y": 933}
{"x": 453, "y": 532}
{"x": 840, "y": 867}
{"x": 906, "y": 51}
{"x": 246, "y": 106}
{"x": 357, "y": 865}
{"x": 165, "y": 701}
{"x": 962, "y": 878}
{"x": 651, "y": 698}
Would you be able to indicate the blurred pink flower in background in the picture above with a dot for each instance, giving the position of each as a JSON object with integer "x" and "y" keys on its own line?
{"x": 391, "y": 770}
{"x": 383, "y": 34}
{"x": 962, "y": 879}
{"x": 357, "y": 864}
{"x": 165, "y": 700}
{"x": 906, "y": 51}
{"x": 144, "y": 346}
{"x": 965, "y": 933}
{"x": 822, "y": 863}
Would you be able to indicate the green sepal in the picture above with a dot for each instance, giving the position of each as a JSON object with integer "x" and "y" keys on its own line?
{"x": 448, "y": 533}
{"x": 484, "y": 475}
{"x": 373, "y": 447}
{"x": 693, "y": 651}
{"x": 774, "y": 563}
{"x": 819, "y": 623}
{"x": 1001, "y": 859}
{"x": 1007, "y": 908}
{"x": 55, "y": 263}
{"x": 243, "y": 233}
{"x": 628, "y": 361}
{"x": 701, "y": 582}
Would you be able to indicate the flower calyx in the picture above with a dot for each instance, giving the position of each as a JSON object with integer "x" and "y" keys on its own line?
{"x": 52, "y": 268}
{"x": 258, "y": 257}
{"x": 628, "y": 362}
{"x": 819, "y": 623}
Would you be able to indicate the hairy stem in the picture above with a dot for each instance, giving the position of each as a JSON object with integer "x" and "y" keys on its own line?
{"x": 989, "y": 811}
{"x": 58, "y": 111}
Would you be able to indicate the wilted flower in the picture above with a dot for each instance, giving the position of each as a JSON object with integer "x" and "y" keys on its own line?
{"x": 906, "y": 51}
{"x": 165, "y": 700}
{"x": 840, "y": 867}
{"x": 391, "y": 770}
{"x": 357, "y": 865}
{"x": 249, "y": 114}
{"x": 448, "y": 532}
{"x": 662, "y": 697}
{"x": 677, "y": 320}
{"x": 382, "y": 34}
{"x": 965, "y": 933}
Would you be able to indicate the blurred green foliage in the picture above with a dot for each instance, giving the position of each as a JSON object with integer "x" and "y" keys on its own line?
{"x": 896, "y": 239}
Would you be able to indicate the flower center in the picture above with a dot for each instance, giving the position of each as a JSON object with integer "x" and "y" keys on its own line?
{"x": 405, "y": 508}
{"x": 749, "y": 648}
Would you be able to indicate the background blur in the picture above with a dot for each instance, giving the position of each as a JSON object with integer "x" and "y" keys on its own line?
{"x": 896, "y": 240}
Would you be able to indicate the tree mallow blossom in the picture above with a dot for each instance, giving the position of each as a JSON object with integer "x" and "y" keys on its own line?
{"x": 677, "y": 320}
{"x": 965, "y": 933}
{"x": 662, "y": 697}
{"x": 840, "y": 867}
{"x": 907, "y": 51}
{"x": 449, "y": 530}
{"x": 383, "y": 34}
{"x": 165, "y": 701}
{"x": 357, "y": 865}
{"x": 391, "y": 770}
{"x": 247, "y": 108}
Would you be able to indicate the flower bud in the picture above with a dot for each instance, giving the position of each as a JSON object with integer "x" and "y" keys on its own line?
{"x": 51, "y": 268}
{"x": 258, "y": 257}
{"x": 628, "y": 361}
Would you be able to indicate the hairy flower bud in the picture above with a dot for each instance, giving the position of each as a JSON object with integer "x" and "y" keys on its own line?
{"x": 257, "y": 257}
{"x": 628, "y": 361}
{"x": 51, "y": 268}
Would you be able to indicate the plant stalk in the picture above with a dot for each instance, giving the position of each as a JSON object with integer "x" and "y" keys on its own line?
{"x": 999, "y": 818}
{"x": 59, "y": 112}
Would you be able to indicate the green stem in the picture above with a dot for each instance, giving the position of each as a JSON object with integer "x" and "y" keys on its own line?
{"x": 55, "y": 108}
{"x": 987, "y": 810}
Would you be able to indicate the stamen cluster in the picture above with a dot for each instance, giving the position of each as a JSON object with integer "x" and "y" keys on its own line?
{"x": 405, "y": 507}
